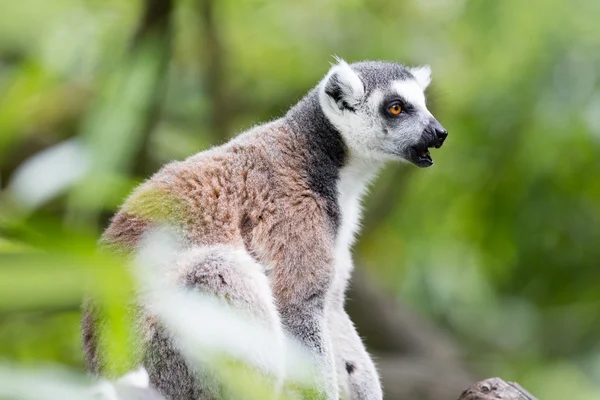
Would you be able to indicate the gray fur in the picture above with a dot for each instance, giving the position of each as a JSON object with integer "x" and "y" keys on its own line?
{"x": 379, "y": 74}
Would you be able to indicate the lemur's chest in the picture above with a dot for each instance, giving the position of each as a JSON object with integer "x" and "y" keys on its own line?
{"x": 349, "y": 221}
{"x": 352, "y": 184}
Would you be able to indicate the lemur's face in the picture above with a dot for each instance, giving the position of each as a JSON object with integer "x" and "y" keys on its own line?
{"x": 380, "y": 110}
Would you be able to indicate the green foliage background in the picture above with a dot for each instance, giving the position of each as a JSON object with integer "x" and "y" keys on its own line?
{"x": 498, "y": 242}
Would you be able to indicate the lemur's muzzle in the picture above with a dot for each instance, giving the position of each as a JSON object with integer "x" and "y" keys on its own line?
{"x": 439, "y": 133}
{"x": 433, "y": 135}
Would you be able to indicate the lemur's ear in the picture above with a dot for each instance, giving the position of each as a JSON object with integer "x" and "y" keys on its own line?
{"x": 343, "y": 86}
{"x": 422, "y": 75}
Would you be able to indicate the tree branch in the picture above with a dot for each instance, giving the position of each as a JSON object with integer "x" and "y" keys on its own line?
{"x": 494, "y": 389}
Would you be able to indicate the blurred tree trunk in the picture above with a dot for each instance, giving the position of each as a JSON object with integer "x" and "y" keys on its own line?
{"x": 215, "y": 73}
{"x": 154, "y": 29}
{"x": 155, "y": 20}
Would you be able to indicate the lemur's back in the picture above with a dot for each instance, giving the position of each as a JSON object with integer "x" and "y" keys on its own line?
{"x": 232, "y": 194}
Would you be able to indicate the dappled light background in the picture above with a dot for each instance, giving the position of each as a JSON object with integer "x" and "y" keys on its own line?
{"x": 498, "y": 244}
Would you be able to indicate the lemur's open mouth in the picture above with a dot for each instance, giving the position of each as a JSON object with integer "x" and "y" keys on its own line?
{"x": 420, "y": 156}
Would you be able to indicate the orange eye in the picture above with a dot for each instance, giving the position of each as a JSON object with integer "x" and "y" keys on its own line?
{"x": 395, "y": 109}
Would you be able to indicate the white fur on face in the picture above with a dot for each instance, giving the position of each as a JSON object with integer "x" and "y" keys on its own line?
{"x": 412, "y": 92}
{"x": 361, "y": 129}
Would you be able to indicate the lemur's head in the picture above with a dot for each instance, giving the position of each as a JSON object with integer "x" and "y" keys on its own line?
{"x": 379, "y": 108}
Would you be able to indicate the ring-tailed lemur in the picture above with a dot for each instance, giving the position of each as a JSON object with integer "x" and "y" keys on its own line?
{"x": 269, "y": 218}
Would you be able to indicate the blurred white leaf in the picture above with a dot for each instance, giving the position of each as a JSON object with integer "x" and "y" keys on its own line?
{"x": 56, "y": 383}
{"x": 49, "y": 173}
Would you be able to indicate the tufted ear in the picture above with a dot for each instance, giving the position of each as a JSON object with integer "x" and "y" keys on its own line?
{"x": 343, "y": 87}
{"x": 422, "y": 75}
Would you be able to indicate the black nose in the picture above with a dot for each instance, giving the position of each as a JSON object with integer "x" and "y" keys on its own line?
{"x": 439, "y": 131}
{"x": 441, "y": 134}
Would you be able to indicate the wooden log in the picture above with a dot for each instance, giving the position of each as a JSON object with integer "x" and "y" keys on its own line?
{"x": 494, "y": 389}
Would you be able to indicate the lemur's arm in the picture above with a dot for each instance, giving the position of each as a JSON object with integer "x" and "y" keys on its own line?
{"x": 303, "y": 272}
{"x": 357, "y": 375}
